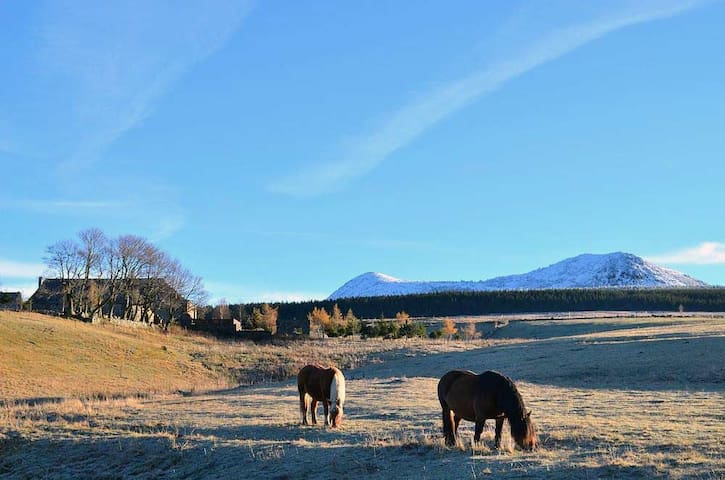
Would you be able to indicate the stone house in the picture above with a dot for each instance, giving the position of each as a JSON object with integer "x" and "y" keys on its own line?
{"x": 57, "y": 296}
{"x": 11, "y": 301}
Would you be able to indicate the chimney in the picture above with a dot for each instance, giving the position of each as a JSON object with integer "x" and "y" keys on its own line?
{"x": 40, "y": 281}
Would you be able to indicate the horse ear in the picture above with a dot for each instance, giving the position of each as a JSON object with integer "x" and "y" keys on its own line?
{"x": 528, "y": 414}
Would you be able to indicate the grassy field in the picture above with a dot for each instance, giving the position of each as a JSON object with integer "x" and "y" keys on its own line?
{"x": 44, "y": 358}
{"x": 612, "y": 398}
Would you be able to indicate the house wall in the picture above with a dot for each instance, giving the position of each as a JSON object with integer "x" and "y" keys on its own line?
{"x": 11, "y": 301}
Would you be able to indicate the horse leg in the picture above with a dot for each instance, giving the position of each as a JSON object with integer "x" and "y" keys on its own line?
{"x": 448, "y": 430}
{"x": 499, "y": 427}
{"x": 479, "y": 429}
{"x": 326, "y": 406}
{"x": 456, "y": 422}
{"x": 313, "y": 409}
{"x": 303, "y": 407}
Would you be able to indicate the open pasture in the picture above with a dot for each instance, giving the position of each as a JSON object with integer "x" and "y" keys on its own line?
{"x": 612, "y": 398}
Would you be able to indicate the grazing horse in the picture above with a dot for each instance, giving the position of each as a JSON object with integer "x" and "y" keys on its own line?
{"x": 326, "y": 385}
{"x": 476, "y": 398}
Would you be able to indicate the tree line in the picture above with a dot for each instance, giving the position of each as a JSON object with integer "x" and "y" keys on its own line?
{"x": 444, "y": 304}
{"x": 125, "y": 276}
{"x": 260, "y": 317}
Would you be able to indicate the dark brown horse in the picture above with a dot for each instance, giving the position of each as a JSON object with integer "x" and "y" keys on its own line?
{"x": 319, "y": 384}
{"x": 476, "y": 398}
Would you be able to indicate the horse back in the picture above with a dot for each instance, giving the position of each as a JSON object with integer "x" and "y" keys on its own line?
{"x": 458, "y": 391}
{"x": 474, "y": 397}
{"x": 315, "y": 381}
{"x": 447, "y": 380}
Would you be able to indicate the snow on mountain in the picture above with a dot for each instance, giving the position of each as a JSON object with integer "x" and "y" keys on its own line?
{"x": 583, "y": 271}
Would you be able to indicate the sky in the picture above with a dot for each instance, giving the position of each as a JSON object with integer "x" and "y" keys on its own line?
{"x": 279, "y": 149}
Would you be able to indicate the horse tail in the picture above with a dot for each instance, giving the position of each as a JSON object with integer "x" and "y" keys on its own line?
{"x": 444, "y": 384}
{"x": 305, "y": 397}
{"x": 301, "y": 379}
{"x": 448, "y": 429}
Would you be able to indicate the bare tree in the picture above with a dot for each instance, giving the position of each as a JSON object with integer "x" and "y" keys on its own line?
{"x": 92, "y": 245}
{"x": 185, "y": 288}
{"x": 127, "y": 273}
{"x": 63, "y": 258}
{"x": 469, "y": 331}
{"x": 132, "y": 254}
{"x": 221, "y": 311}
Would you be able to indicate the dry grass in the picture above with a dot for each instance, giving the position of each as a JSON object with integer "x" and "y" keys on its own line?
{"x": 44, "y": 358}
{"x": 603, "y": 410}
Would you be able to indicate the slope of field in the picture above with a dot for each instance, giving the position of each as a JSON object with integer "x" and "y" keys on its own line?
{"x": 46, "y": 358}
{"x": 612, "y": 398}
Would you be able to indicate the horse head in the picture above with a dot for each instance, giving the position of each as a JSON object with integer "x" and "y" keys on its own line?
{"x": 524, "y": 432}
{"x": 337, "y": 398}
{"x": 336, "y": 413}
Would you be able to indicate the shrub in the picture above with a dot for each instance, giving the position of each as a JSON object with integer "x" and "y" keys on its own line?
{"x": 469, "y": 332}
{"x": 391, "y": 329}
{"x": 412, "y": 329}
{"x": 448, "y": 329}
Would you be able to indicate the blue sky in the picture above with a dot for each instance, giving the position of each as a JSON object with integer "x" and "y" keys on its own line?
{"x": 278, "y": 149}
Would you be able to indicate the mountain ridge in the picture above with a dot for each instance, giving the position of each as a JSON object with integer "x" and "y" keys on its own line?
{"x": 612, "y": 270}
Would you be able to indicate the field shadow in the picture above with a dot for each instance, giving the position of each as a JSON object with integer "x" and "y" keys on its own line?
{"x": 274, "y": 454}
{"x": 669, "y": 361}
{"x": 271, "y": 432}
{"x": 32, "y": 401}
{"x": 545, "y": 329}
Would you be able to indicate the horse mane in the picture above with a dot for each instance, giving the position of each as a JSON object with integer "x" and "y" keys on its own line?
{"x": 508, "y": 397}
{"x": 337, "y": 387}
{"x": 510, "y": 401}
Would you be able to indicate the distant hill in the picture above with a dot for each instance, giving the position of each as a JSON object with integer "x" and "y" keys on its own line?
{"x": 583, "y": 271}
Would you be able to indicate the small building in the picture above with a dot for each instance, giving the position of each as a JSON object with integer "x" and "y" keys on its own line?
{"x": 12, "y": 301}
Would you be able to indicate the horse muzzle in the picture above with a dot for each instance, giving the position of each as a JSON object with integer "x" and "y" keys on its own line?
{"x": 336, "y": 419}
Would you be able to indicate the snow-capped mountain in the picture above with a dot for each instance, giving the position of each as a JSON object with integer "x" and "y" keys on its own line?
{"x": 583, "y": 271}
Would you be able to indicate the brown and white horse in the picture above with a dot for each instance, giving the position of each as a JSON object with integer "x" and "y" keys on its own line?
{"x": 318, "y": 384}
{"x": 466, "y": 396}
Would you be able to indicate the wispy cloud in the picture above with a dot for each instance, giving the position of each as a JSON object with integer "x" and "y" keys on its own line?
{"x": 115, "y": 60}
{"x": 410, "y": 121}
{"x": 167, "y": 226}
{"x": 707, "y": 253}
{"x": 155, "y": 208}
{"x": 57, "y": 205}
{"x": 13, "y": 269}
